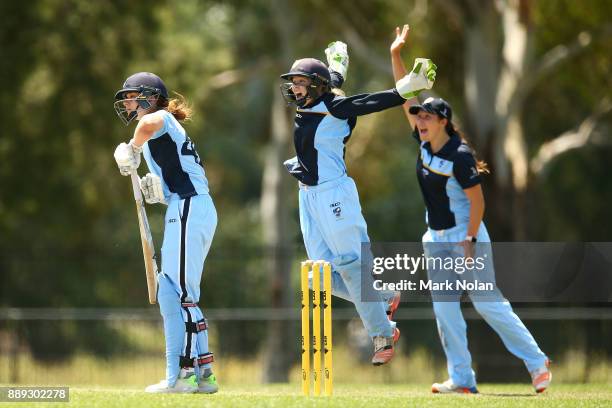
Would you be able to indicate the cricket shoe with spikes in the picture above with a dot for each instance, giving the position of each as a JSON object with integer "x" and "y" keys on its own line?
{"x": 541, "y": 377}
{"x": 393, "y": 304}
{"x": 448, "y": 387}
{"x": 208, "y": 385}
{"x": 183, "y": 385}
{"x": 384, "y": 348}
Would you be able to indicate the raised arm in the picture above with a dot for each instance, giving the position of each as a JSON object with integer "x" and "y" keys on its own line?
{"x": 399, "y": 69}
{"x": 422, "y": 76}
{"x": 338, "y": 63}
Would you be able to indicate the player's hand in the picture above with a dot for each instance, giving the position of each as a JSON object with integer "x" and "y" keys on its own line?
{"x": 400, "y": 39}
{"x": 422, "y": 76}
{"x": 469, "y": 249}
{"x": 337, "y": 57}
{"x": 127, "y": 156}
{"x": 152, "y": 190}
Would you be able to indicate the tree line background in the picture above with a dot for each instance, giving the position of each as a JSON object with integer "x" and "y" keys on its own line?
{"x": 529, "y": 82}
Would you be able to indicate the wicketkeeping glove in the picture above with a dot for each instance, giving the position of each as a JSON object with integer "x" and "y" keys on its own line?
{"x": 152, "y": 190}
{"x": 422, "y": 77}
{"x": 127, "y": 156}
{"x": 337, "y": 57}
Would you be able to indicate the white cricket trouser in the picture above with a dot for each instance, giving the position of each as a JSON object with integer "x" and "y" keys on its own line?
{"x": 333, "y": 229}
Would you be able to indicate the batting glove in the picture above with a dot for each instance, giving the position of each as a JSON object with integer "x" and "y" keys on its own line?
{"x": 127, "y": 156}
{"x": 422, "y": 77}
{"x": 337, "y": 57}
{"x": 152, "y": 190}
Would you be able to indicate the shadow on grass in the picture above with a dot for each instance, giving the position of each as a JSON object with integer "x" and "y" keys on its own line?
{"x": 506, "y": 394}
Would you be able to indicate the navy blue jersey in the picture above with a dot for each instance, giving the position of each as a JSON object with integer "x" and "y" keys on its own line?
{"x": 322, "y": 130}
{"x": 171, "y": 155}
{"x": 442, "y": 177}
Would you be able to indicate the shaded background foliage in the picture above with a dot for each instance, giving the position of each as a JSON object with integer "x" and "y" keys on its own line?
{"x": 67, "y": 230}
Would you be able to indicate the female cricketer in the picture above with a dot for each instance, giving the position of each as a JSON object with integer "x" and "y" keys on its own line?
{"x": 449, "y": 178}
{"x": 331, "y": 221}
{"x": 176, "y": 179}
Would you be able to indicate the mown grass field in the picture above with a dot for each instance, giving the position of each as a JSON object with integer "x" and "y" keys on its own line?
{"x": 288, "y": 395}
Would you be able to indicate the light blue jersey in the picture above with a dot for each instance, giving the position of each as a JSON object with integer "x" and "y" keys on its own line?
{"x": 323, "y": 129}
{"x": 329, "y": 140}
{"x": 171, "y": 155}
{"x": 443, "y": 176}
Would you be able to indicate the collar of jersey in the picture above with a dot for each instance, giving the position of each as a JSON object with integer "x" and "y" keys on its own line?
{"x": 319, "y": 108}
{"x": 318, "y": 105}
{"x": 447, "y": 150}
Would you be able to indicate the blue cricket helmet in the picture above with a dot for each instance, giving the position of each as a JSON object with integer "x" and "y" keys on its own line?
{"x": 311, "y": 68}
{"x": 146, "y": 84}
{"x": 143, "y": 81}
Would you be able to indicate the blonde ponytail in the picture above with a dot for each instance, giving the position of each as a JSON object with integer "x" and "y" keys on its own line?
{"x": 178, "y": 107}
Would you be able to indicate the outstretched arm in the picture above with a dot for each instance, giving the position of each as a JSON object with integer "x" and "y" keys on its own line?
{"x": 363, "y": 104}
{"x": 399, "y": 69}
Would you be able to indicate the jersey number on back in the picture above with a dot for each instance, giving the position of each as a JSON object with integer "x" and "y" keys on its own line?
{"x": 188, "y": 149}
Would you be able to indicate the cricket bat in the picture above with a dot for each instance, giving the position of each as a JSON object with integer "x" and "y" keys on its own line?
{"x": 148, "y": 250}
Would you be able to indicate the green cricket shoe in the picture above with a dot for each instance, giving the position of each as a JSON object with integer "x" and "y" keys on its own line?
{"x": 208, "y": 385}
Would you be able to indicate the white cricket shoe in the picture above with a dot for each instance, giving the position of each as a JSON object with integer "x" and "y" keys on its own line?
{"x": 183, "y": 385}
{"x": 448, "y": 387}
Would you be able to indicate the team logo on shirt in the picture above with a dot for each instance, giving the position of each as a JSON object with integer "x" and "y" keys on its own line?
{"x": 337, "y": 210}
{"x": 474, "y": 172}
{"x": 425, "y": 172}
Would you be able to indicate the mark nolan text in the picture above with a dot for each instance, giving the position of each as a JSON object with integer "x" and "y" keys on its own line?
{"x": 405, "y": 284}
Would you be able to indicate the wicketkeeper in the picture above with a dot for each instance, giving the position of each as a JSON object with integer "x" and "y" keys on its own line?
{"x": 331, "y": 221}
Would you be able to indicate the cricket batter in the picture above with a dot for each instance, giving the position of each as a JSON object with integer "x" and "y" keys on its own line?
{"x": 449, "y": 177}
{"x": 176, "y": 179}
{"x": 331, "y": 221}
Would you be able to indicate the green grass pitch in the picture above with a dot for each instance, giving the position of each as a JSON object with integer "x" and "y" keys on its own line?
{"x": 288, "y": 395}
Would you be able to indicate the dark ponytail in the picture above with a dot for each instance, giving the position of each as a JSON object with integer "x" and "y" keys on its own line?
{"x": 453, "y": 130}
